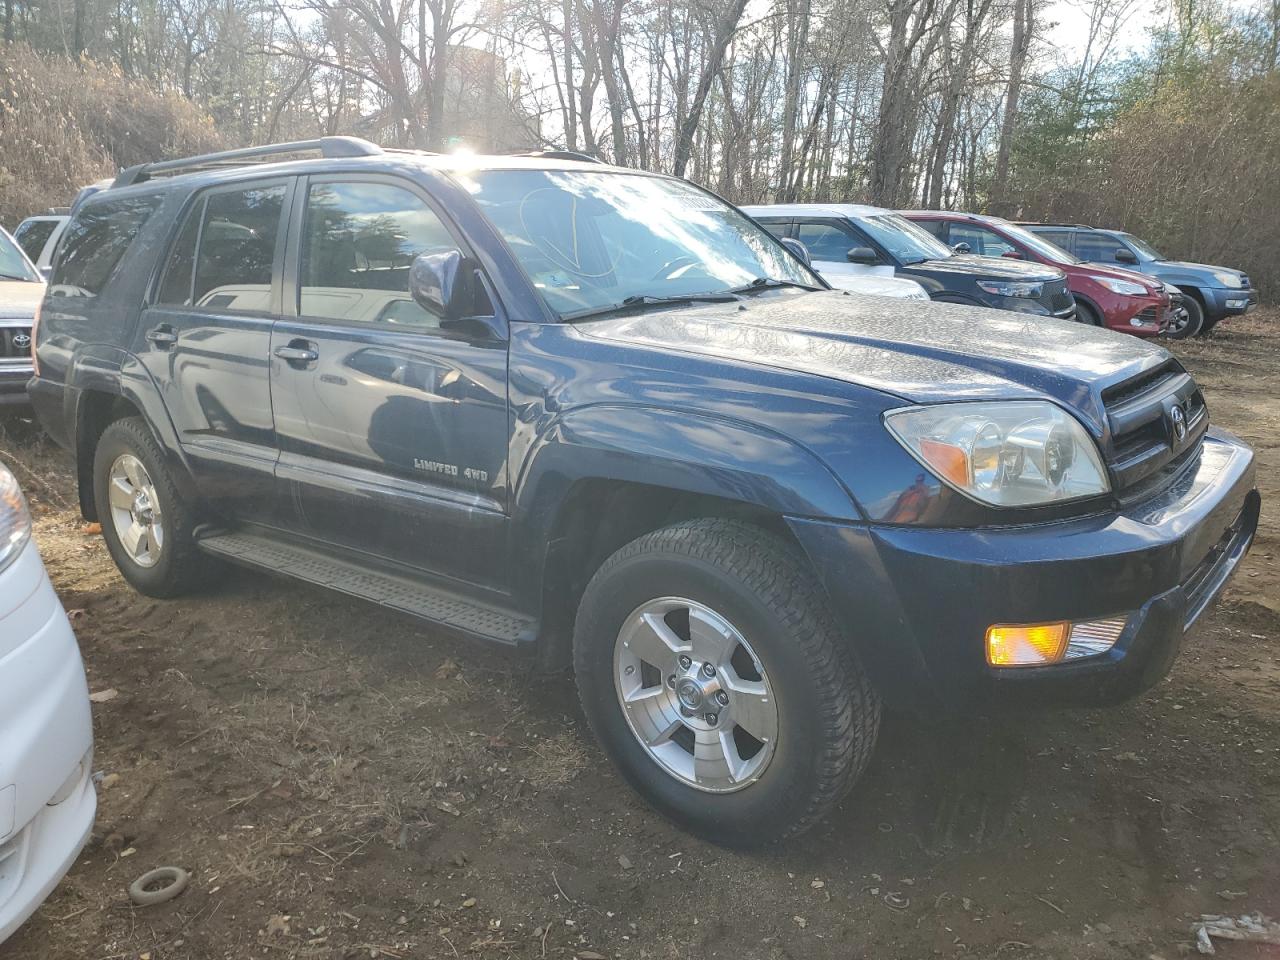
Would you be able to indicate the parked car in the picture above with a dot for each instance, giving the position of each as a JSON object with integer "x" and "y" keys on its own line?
{"x": 1105, "y": 296}
{"x": 621, "y": 427}
{"x": 38, "y": 238}
{"x": 21, "y": 289}
{"x": 848, "y": 241}
{"x": 47, "y": 801}
{"x": 1211, "y": 294}
{"x": 900, "y": 288}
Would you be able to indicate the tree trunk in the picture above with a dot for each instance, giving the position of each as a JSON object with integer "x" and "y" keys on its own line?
{"x": 724, "y": 30}
{"x": 1023, "y": 28}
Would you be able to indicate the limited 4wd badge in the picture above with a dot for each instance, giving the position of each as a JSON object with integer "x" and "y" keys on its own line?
{"x": 450, "y": 470}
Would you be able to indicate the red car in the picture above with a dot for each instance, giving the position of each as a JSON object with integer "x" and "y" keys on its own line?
{"x": 1105, "y": 296}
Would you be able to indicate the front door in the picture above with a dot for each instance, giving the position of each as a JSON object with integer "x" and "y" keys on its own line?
{"x": 392, "y": 424}
{"x": 208, "y": 337}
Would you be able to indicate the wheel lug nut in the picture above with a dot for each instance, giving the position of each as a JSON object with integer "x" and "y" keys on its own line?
{"x": 722, "y": 698}
{"x": 685, "y": 662}
{"x": 712, "y": 718}
{"x": 671, "y": 681}
{"x": 708, "y": 670}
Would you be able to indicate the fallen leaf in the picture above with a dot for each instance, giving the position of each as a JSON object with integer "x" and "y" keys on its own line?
{"x": 447, "y": 807}
{"x": 278, "y": 925}
{"x": 801, "y": 922}
{"x": 102, "y": 696}
{"x": 91, "y": 529}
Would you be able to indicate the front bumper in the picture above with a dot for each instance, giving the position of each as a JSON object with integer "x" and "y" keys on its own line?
{"x": 46, "y": 742}
{"x": 13, "y": 383}
{"x": 1229, "y": 301}
{"x": 919, "y": 600}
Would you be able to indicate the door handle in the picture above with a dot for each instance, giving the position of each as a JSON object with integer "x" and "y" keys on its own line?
{"x": 162, "y": 336}
{"x": 298, "y": 353}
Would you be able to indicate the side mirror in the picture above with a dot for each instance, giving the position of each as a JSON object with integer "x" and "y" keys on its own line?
{"x": 962, "y": 248}
{"x": 1012, "y": 255}
{"x": 1125, "y": 255}
{"x": 443, "y": 284}
{"x": 863, "y": 255}
{"x": 798, "y": 250}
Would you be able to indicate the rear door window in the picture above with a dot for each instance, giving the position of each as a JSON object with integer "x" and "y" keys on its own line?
{"x": 1060, "y": 238}
{"x": 937, "y": 227}
{"x": 95, "y": 242}
{"x": 779, "y": 228}
{"x": 237, "y": 249}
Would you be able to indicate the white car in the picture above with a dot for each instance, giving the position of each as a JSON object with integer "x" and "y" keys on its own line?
{"x": 38, "y": 237}
{"x": 47, "y": 800}
{"x": 877, "y": 286}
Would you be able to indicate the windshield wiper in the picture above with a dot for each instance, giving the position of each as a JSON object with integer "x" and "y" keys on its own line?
{"x": 641, "y": 300}
{"x": 770, "y": 283}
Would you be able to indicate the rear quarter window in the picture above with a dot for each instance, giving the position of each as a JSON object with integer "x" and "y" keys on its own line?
{"x": 95, "y": 242}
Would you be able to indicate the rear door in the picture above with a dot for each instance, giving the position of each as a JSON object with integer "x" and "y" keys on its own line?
{"x": 207, "y": 339}
{"x": 393, "y": 426}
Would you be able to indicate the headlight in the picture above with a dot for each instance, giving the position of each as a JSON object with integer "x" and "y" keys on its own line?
{"x": 1012, "y": 288}
{"x": 1127, "y": 287}
{"x": 1013, "y": 454}
{"x": 1228, "y": 279}
{"x": 15, "y": 521}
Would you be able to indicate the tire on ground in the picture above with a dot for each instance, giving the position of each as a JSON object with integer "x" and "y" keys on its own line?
{"x": 1195, "y": 317}
{"x": 828, "y": 712}
{"x": 180, "y": 567}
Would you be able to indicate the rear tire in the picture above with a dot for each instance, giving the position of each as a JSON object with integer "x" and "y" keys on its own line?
{"x": 1194, "y": 321}
{"x": 145, "y": 520}
{"x": 734, "y": 599}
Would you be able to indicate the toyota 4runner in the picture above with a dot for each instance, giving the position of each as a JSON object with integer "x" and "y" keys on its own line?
{"x": 601, "y": 416}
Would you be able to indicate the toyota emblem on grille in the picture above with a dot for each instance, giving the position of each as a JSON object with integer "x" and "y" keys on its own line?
{"x": 1178, "y": 423}
{"x": 21, "y": 341}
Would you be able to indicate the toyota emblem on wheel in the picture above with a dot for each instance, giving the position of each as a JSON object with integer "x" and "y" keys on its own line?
{"x": 1178, "y": 423}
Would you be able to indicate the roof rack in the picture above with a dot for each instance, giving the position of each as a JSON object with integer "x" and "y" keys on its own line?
{"x": 331, "y": 147}
{"x": 556, "y": 155}
{"x": 1051, "y": 223}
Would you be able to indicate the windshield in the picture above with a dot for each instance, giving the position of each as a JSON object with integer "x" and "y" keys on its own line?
{"x": 1145, "y": 250}
{"x": 1040, "y": 245}
{"x": 904, "y": 240}
{"x": 13, "y": 262}
{"x": 590, "y": 240}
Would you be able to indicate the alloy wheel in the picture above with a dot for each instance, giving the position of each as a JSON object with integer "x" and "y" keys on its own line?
{"x": 135, "y": 510}
{"x": 695, "y": 695}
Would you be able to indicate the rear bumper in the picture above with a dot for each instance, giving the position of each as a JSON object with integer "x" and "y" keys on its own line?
{"x": 46, "y": 742}
{"x": 918, "y": 601}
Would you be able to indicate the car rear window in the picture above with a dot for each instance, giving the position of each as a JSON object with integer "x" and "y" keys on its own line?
{"x": 95, "y": 241}
{"x": 32, "y": 235}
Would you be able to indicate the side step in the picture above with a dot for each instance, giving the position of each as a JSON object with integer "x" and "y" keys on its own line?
{"x": 398, "y": 592}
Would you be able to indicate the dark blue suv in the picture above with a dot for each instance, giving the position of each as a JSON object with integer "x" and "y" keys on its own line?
{"x": 600, "y": 416}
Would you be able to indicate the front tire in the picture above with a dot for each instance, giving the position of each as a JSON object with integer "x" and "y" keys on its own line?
{"x": 145, "y": 520}
{"x": 1087, "y": 315}
{"x": 711, "y": 669}
{"x": 1195, "y": 318}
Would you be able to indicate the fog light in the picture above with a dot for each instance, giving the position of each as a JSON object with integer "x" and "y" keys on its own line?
{"x": 1026, "y": 645}
{"x": 1236, "y": 304}
{"x": 1041, "y": 644}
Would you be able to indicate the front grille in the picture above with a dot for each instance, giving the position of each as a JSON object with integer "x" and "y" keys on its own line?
{"x": 15, "y": 343}
{"x": 1156, "y": 422}
{"x": 1149, "y": 315}
{"x": 1055, "y": 293}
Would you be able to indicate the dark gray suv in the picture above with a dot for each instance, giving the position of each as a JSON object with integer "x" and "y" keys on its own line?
{"x": 1210, "y": 293}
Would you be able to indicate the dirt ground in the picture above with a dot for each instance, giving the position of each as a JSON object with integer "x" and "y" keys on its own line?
{"x": 343, "y": 785}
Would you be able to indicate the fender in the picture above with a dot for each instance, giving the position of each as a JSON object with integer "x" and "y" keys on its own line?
{"x": 675, "y": 450}
{"x": 107, "y": 370}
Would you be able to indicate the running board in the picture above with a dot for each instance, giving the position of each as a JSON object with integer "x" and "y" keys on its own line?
{"x": 395, "y": 591}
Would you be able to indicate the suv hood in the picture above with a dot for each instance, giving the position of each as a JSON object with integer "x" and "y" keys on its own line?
{"x": 1205, "y": 267}
{"x": 1116, "y": 273}
{"x": 920, "y": 352}
{"x": 991, "y": 268}
{"x": 19, "y": 299}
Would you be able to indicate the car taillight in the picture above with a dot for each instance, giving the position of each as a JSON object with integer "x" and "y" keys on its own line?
{"x": 35, "y": 326}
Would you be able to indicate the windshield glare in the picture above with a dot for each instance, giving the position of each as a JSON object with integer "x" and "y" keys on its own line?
{"x": 904, "y": 240}
{"x": 1037, "y": 243}
{"x": 1144, "y": 249}
{"x": 590, "y": 240}
{"x": 13, "y": 262}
